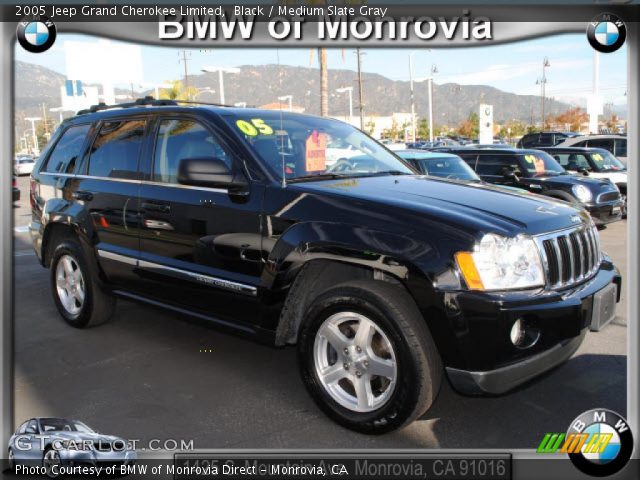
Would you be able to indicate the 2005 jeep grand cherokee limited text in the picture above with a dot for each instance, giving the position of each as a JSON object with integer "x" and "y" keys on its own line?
{"x": 383, "y": 278}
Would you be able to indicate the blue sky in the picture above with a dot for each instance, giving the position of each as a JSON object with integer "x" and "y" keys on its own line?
{"x": 511, "y": 67}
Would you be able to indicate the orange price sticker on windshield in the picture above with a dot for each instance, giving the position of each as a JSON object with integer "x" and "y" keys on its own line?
{"x": 539, "y": 164}
{"x": 316, "y": 152}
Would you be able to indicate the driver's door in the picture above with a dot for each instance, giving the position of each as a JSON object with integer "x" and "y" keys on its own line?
{"x": 200, "y": 248}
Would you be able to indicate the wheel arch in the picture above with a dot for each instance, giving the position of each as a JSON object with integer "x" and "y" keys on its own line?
{"x": 304, "y": 262}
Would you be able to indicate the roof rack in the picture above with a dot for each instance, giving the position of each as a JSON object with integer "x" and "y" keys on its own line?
{"x": 146, "y": 101}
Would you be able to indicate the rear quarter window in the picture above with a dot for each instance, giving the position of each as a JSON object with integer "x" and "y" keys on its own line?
{"x": 115, "y": 151}
{"x": 65, "y": 155}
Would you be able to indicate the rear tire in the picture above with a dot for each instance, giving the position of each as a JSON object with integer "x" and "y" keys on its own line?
{"x": 81, "y": 301}
{"x": 394, "y": 361}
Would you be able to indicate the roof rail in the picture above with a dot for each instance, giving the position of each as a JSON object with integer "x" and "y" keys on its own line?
{"x": 146, "y": 101}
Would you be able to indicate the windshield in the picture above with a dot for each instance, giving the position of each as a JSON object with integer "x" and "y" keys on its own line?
{"x": 540, "y": 164}
{"x": 605, "y": 161}
{"x": 305, "y": 147}
{"x": 451, "y": 167}
{"x": 62, "y": 425}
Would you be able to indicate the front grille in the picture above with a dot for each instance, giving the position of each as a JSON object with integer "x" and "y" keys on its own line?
{"x": 570, "y": 256}
{"x": 608, "y": 197}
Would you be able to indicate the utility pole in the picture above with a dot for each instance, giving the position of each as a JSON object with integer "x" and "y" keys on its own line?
{"x": 543, "y": 85}
{"x": 46, "y": 122}
{"x": 360, "y": 95}
{"x": 184, "y": 60}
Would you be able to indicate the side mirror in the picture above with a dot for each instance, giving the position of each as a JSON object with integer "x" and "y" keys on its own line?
{"x": 208, "y": 172}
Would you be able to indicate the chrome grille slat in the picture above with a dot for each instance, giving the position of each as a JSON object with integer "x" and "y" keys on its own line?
{"x": 569, "y": 256}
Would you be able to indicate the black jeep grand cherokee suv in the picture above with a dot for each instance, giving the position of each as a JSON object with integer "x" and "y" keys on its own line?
{"x": 383, "y": 278}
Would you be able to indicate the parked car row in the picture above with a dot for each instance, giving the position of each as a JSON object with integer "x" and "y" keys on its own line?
{"x": 385, "y": 278}
{"x": 616, "y": 144}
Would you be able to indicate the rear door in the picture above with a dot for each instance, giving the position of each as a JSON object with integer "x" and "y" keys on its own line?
{"x": 200, "y": 248}
{"x": 108, "y": 188}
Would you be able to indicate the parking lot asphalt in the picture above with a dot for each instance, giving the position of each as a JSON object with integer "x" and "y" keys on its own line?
{"x": 146, "y": 375}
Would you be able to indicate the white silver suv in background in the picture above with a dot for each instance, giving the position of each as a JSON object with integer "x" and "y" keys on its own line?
{"x": 616, "y": 144}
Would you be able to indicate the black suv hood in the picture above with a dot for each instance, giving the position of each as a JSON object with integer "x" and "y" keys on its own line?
{"x": 487, "y": 208}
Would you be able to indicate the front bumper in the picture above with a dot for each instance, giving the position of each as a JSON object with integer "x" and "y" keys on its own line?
{"x": 488, "y": 363}
{"x": 603, "y": 213}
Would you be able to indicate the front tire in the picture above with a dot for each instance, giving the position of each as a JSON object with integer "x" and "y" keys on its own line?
{"x": 81, "y": 301}
{"x": 367, "y": 357}
{"x": 50, "y": 459}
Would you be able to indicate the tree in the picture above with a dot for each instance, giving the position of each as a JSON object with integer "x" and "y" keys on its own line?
{"x": 422, "y": 129}
{"x": 178, "y": 91}
{"x": 470, "y": 127}
{"x": 574, "y": 117}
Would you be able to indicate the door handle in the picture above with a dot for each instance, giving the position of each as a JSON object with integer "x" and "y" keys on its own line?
{"x": 158, "y": 225}
{"x": 82, "y": 195}
{"x": 157, "y": 207}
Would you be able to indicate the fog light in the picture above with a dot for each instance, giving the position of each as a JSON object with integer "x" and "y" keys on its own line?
{"x": 524, "y": 334}
{"x": 517, "y": 333}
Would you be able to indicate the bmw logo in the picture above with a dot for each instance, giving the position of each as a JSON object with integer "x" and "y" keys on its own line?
{"x": 36, "y": 34}
{"x": 606, "y": 33}
{"x": 607, "y": 442}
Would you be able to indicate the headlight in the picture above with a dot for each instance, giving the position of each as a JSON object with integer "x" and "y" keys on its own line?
{"x": 499, "y": 263}
{"x": 582, "y": 193}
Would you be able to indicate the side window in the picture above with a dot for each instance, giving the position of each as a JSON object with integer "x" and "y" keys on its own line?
{"x": 115, "y": 151}
{"x": 583, "y": 143}
{"x": 64, "y": 157}
{"x": 32, "y": 427}
{"x": 22, "y": 428}
{"x": 546, "y": 140}
{"x": 620, "y": 148}
{"x": 181, "y": 139}
{"x": 572, "y": 161}
{"x": 495, "y": 164}
{"x": 529, "y": 140}
{"x": 605, "y": 143}
{"x": 470, "y": 158}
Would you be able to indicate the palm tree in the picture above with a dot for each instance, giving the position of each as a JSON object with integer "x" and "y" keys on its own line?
{"x": 324, "y": 82}
{"x": 178, "y": 91}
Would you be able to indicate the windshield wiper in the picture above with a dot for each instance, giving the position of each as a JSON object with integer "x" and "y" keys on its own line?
{"x": 319, "y": 176}
{"x": 384, "y": 172}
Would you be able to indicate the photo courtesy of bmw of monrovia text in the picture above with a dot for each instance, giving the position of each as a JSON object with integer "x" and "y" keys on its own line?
{"x": 320, "y": 240}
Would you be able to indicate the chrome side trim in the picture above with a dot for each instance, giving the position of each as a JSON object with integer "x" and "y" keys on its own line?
{"x": 185, "y": 274}
{"x": 138, "y": 182}
{"x": 117, "y": 257}
{"x": 200, "y": 278}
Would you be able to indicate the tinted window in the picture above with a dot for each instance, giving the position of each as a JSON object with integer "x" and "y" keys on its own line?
{"x": 546, "y": 140}
{"x": 621, "y": 148}
{"x": 605, "y": 143}
{"x": 492, "y": 164}
{"x": 583, "y": 143}
{"x": 180, "y": 139}
{"x": 470, "y": 158}
{"x": 572, "y": 161}
{"x": 64, "y": 157}
{"x": 115, "y": 152}
{"x": 529, "y": 140}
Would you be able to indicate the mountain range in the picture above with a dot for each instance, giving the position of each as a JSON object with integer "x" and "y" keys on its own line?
{"x": 263, "y": 84}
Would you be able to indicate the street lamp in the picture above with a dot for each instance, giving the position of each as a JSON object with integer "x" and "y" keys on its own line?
{"x": 429, "y": 79}
{"x": 203, "y": 90}
{"x": 33, "y": 121}
{"x": 543, "y": 83}
{"x": 221, "y": 71}
{"x": 289, "y": 98}
{"x": 350, "y": 90}
{"x": 59, "y": 110}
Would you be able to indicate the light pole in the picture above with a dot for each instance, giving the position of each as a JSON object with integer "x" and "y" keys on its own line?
{"x": 350, "y": 90}
{"x": 59, "y": 110}
{"x": 33, "y": 121}
{"x": 203, "y": 90}
{"x": 289, "y": 98}
{"x": 543, "y": 83}
{"x": 429, "y": 79}
{"x": 221, "y": 71}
